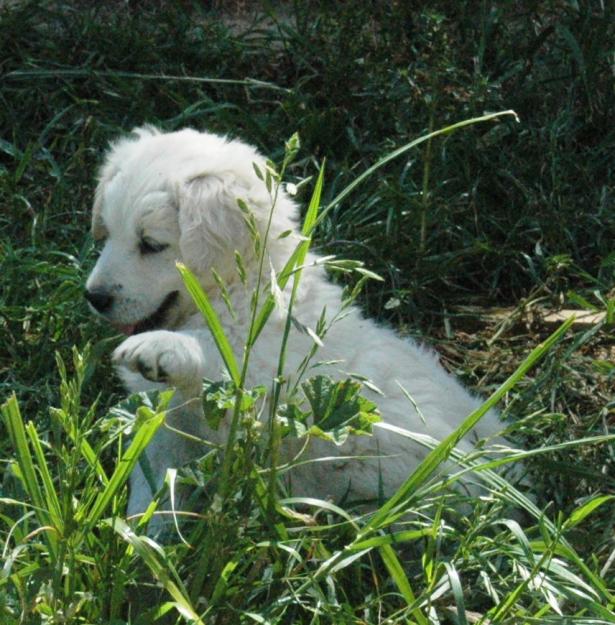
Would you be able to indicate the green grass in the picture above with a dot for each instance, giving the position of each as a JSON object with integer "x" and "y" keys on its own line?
{"x": 515, "y": 216}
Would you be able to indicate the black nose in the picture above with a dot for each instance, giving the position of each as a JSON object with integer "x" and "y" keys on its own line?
{"x": 101, "y": 300}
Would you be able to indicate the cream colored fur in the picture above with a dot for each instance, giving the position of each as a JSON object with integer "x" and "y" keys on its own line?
{"x": 180, "y": 189}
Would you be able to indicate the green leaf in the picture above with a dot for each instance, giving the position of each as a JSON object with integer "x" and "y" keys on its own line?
{"x": 223, "y": 580}
{"x": 336, "y": 409}
{"x": 394, "y": 538}
{"x": 219, "y": 397}
{"x": 257, "y": 171}
{"x": 293, "y": 420}
{"x": 241, "y": 269}
{"x": 339, "y": 404}
{"x": 224, "y": 292}
{"x": 291, "y": 148}
{"x": 579, "y": 514}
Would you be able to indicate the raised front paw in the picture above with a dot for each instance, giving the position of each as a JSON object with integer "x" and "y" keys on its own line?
{"x": 162, "y": 356}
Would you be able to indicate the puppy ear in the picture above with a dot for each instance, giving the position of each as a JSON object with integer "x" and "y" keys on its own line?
{"x": 107, "y": 172}
{"x": 211, "y": 224}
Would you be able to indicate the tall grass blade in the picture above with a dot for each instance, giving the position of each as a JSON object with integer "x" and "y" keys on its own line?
{"x": 598, "y": 584}
{"x": 444, "y": 449}
{"x": 52, "y": 502}
{"x": 26, "y": 74}
{"x": 395, "y": 569}
{"x": 453, "y": 578}
{"x": 307, "y": 228}
{"x": 19, "y": 441}
{"x": 393, "y": 538}
{"x": 212, "y": 320}
{"x": 402, "y": 150}
{"x": 127, "y": 463}
{"x": 161, "y": 568}
{"x": 500, "y": 612}
{"x": 319, "y": 504}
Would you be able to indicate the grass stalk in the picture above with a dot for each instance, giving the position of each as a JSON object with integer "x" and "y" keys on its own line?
{"x": 274, "y": 434}
{"x": 425, "y": 194}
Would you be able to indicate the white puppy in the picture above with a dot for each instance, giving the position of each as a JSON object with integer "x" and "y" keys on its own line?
{"x": 164, "y": 197}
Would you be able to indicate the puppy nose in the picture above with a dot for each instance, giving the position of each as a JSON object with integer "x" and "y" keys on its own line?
{"x": 101, "y": 300}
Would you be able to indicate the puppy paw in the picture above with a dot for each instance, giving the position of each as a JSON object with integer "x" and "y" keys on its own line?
{"x": 162, "y": 356}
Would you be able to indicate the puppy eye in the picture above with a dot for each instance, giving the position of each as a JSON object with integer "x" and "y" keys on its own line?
{"x": 149, "y": 246}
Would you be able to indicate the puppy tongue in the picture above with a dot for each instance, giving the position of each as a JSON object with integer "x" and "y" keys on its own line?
{"x": 125, "y": 328}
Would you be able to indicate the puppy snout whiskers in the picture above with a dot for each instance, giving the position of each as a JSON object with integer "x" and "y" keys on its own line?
{"x": 100, "y": 300}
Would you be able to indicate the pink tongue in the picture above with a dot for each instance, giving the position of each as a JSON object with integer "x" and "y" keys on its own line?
{"x": 127, "y": 328}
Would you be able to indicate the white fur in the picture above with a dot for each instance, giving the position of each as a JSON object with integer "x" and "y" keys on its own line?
{"x": 181, "y": 189}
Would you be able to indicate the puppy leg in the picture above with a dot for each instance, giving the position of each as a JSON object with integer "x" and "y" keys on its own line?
{"x": 169, "y": 448}
{"x": 161, "y": 356}
{"x": 155, "y": 360}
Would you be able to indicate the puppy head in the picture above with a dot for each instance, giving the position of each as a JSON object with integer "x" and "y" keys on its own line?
{"x": 168, "y": 197}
